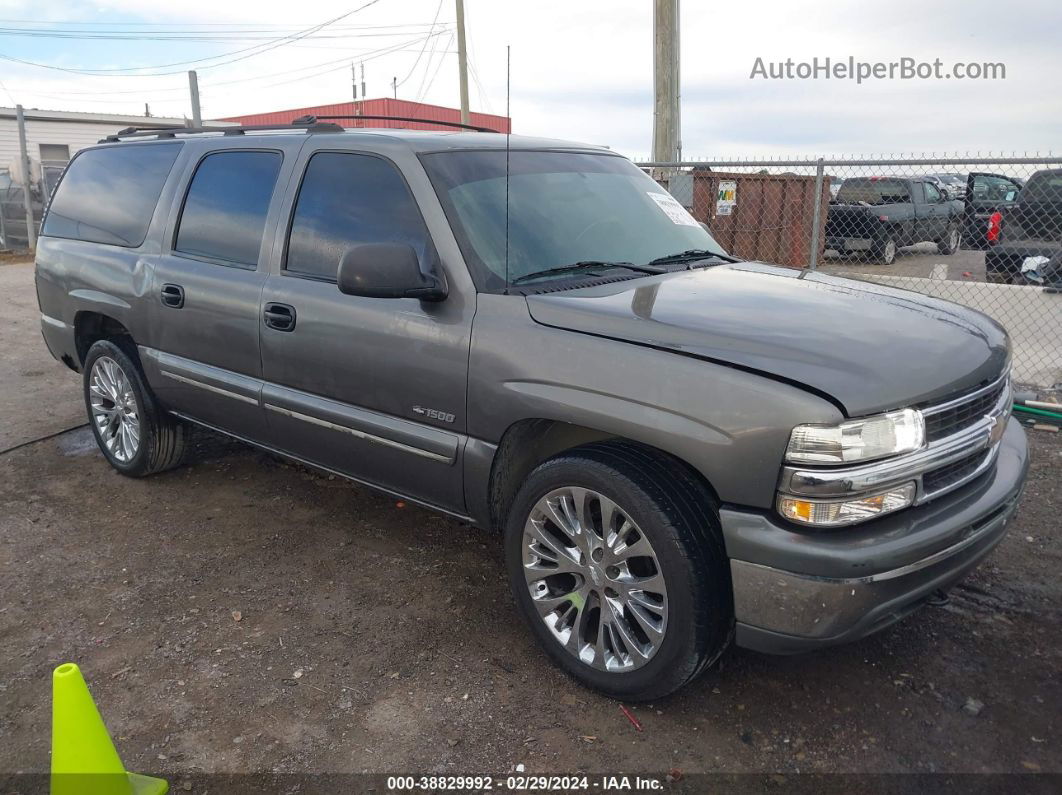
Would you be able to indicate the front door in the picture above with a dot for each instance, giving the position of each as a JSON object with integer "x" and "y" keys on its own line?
{"x": 204, "y": 360}
{"x": 937, "y": 211}
{"x": 373, "y": 388}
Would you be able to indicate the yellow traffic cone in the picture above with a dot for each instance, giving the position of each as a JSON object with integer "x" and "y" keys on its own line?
{"x": 84, "y": 761}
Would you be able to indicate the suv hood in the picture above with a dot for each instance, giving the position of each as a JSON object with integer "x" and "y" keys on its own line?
{"x": 870, "y": 348}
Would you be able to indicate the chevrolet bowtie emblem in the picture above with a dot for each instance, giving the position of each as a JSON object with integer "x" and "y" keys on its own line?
{"x": 998, "y": 428}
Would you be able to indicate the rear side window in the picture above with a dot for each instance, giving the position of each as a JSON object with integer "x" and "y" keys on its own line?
{"x": 346, "y": 200}
{"x": 225, "y": 210}
{"x": 873, "y": 190}
{"x": 109, "y": 195}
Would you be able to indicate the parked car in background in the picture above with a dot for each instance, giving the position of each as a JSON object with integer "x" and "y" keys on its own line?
{"x": 876, "y": 216}
{"x": 954, "y": 184}
{"x": 680, "y": 450}
{"x": 1030, "y": 226}
{"x": 986, "y": 197}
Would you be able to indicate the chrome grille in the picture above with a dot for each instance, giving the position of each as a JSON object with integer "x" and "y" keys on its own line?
{"x": 951, "y": 417}
{"x": 937, "y": 480}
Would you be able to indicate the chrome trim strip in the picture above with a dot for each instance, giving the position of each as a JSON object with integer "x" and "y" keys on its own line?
{"x": 939, "y": 407}
{"x": 360, "y": 434}
{"x": 208, "y": 387}
{"x": 53, "y": 321}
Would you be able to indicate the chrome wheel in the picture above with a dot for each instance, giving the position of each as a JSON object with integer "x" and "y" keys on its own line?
{"x": 114, "y": 409}
{"x": 594, "y": 579}
{"x": 889, "y": 256}
{"x": 953, "y": 240}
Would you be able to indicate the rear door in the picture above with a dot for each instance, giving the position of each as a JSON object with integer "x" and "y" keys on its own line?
{"x": 986, "y": 194}
{"x": 208, "y": 281}
{"x": 373, "y": 388}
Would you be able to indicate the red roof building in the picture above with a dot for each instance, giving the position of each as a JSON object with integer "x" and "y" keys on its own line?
{"x": 380, "y": 107}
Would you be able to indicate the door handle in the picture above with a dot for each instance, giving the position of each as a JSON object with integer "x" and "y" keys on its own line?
{"x": 280, "y": 317}
{"x": 172, "y": 296}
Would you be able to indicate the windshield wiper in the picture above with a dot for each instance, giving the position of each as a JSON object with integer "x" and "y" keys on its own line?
{"x": 691, "y": 255}
{"x": 588, "y": 265}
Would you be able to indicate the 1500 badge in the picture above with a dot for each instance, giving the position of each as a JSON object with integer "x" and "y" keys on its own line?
{"x": 433, "y": 414}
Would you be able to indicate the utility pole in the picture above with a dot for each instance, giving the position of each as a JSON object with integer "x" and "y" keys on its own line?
{"x": 363, "y": 81}
{"x": 353, "y": 81}
{"x": 462, "y": 60}
{"x": 193, "y": 87}
{"x": 667, "y": 144}
{"x": 27, "y": 200}
{"x": 394, "y": 85}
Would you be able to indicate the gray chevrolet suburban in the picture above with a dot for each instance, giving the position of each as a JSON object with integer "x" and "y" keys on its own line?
{"x": 681, "y": 450}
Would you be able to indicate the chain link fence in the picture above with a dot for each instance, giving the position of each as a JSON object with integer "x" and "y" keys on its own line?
{"x": 13, "y": 232}
{"x": 984, "y": 232}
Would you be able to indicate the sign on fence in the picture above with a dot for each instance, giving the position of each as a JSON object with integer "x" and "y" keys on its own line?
{"x": 726, "y": 201}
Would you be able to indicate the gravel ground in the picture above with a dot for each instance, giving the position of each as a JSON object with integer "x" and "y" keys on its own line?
{"x": 966, "y": 265}
{"x": 243, "y": 615}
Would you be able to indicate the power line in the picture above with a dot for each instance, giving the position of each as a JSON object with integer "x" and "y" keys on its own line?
{"x": 432, "y": 81}
{"x": 243, "y": 53}
{"x": 361, "y": 54}
{"x": 438, "y": 8}
{"x": 191, "y": 37}
{"x": 208, "y": 86}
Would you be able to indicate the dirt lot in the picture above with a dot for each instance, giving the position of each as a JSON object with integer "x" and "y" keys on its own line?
{"x": 241, "y": 615}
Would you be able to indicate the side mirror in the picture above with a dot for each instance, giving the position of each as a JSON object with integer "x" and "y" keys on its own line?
{"x": 387, "y": 270}
{"x": 945, "y": 194}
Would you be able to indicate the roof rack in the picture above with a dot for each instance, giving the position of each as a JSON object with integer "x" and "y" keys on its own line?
{"x": 173, "y": 131}
{"x": 304, "y": 120}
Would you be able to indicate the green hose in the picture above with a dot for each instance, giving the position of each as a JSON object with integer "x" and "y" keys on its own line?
{"x": 1038, "y": 412}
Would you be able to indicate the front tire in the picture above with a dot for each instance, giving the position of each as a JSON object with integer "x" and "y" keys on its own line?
{"x": 616, "y": 561}
{"x": 134, "y": 433}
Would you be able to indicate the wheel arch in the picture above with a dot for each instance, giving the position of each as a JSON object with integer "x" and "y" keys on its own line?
{"x": 91, "y": 326}
{"x": 529, "y": 442}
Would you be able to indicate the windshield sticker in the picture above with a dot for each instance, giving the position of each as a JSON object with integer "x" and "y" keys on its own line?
{"x": 672, "y": 209}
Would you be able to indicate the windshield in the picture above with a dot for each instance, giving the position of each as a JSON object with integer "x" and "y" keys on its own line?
{"x": 564, "y": 208}
{"x": 873, "y": 190}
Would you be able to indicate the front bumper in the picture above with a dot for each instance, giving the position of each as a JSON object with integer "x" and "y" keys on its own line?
{"x": 796, "y": 589}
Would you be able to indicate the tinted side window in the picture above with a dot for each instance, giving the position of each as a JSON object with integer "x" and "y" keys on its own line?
{"x": 225, "y": 211}
{"x": 345, "y": 200}
{"x": 109, "y": 195}
{"x": 932, "y": 194}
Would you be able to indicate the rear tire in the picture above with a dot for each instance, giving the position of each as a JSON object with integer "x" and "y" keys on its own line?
{"x": 950, "y": 243}
{"x": 885, "y": 251}
{"x": 666, "y": 522}
{"x": 134, "y": 433}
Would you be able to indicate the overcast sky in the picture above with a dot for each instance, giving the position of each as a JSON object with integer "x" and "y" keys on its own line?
{"x": 581, "y": 69}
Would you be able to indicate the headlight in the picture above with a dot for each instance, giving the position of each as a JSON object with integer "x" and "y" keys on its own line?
{"x": 857, "y": 440}
{"x": 834, "y": 513}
